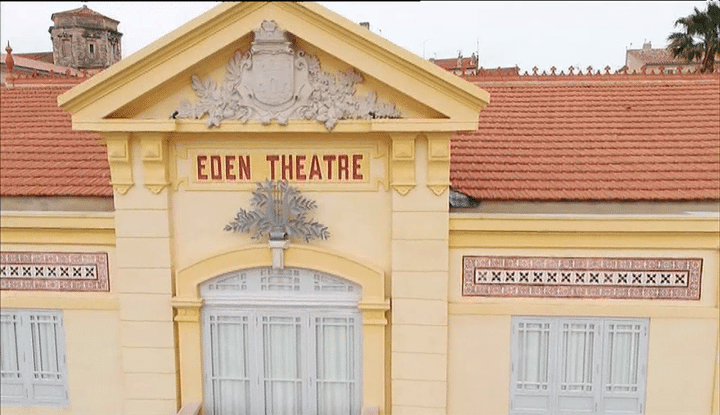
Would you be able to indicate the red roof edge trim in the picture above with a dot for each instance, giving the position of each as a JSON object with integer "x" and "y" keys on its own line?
{"x": 36, "y": 78}
{"x": 511, "y": 74}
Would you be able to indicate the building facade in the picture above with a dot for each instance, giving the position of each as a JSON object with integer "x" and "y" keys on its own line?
{"x": 658, "y": 60}
{"x": 85, "y": 39}
{"x": 275, "y": 210}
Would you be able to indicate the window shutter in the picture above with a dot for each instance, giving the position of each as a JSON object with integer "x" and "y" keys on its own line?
{"x": 46, "y": 358}
{"x": 531, "y": 380}
{"x": 337, "y": 364}
{"x": 623, "y": 383}
{"x": 579, "y": 350}
{"x": 228, "y": 356}
{"x": 11, "y": 373}
{"x": 575, "y": 366}
{"x": 282, "y": 361}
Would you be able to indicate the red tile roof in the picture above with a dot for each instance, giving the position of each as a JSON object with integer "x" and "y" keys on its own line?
{"x": 456, "y": 63}
{"x": 541, "y": 138}
{"x": 40, "y": 154}
{"x": 81, "y": 11}
{"x": 591, "y": 138}
{"x": 46, "y": 57}
{"x": 21, "y": 62}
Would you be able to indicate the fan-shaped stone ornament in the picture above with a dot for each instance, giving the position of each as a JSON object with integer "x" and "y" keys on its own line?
{"x": 272, "y": 81}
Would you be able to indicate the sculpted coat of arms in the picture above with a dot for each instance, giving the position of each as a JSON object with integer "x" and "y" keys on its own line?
{"x": 272, "y": 81}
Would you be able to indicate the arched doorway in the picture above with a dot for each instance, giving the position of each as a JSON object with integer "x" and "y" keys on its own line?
{"x": 281, "y": 342}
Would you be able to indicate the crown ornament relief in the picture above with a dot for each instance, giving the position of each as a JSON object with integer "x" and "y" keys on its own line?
{"x": 272, "y": 81}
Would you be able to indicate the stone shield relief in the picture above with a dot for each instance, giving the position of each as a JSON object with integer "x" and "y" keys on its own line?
{"x": 272, "y": 81}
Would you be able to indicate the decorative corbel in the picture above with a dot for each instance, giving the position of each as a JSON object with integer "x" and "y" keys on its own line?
{"x": 374, "y": 311}
{"x": 438, "y": 170}
{"x": 154, "y": 157}
{"x": 403, "y": 162}
{"x": 120, "y": 160}
{"x": 188, "y": 309}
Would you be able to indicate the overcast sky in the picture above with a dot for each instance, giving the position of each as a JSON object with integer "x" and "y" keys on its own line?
{"x": 527, "y": 34}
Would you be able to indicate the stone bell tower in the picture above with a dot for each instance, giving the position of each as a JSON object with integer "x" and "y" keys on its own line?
{"x": 85, "y": 39}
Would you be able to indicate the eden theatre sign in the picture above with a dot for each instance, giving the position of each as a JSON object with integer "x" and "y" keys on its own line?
{"x": 322, "y": 167}
{"x": 341, "y": 166}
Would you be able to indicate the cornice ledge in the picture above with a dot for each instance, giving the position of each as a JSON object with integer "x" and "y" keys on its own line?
{"x": 299, "y": 126}
{"x": 582, "y": 223}
{"x": 57, "y": 220}
{"x": 124, "y": 125}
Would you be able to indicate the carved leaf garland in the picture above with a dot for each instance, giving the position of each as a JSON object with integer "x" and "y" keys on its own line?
{"x": 278, "y": 207}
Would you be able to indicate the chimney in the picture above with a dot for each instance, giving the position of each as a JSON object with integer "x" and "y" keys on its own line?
{"x": 366, "y": 25}
{"x": 647, "y": 46}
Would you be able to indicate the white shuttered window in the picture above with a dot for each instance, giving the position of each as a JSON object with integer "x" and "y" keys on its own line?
{"x": 282, "y": 342}
{"x": 32, "y": 358}
{"x": 578, "y": 366}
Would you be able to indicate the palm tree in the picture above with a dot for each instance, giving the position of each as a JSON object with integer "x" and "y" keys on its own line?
{"x": 700, "y": 38}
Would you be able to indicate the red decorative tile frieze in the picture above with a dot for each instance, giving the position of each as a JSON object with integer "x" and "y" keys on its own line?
{"x": 54, "y": 271}
{"x": 553, "y": 277}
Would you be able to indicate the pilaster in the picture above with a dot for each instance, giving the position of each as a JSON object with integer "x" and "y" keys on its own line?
{"x": 420, "y": 274}
{"x": 144, "y": 276}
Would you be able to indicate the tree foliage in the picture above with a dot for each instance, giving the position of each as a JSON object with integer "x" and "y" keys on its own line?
{"x": 699, "y": 39}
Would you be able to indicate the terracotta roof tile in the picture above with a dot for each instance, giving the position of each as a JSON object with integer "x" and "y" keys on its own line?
{"x": 613, "y": 139}
{"x": 39, "y": 65}
{"x": 456, "y": 63}
{"x": 40, "y": 154}
{"x": 81, "y": 11}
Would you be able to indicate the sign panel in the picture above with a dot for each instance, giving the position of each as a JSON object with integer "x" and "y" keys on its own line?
{"x": 351, "y": 168}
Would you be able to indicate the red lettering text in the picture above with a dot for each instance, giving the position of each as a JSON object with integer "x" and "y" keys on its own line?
{"x": 229, "y": 167}
{"x": 287, "y": 168}
{"x": 300, "y": 168}
{"x": 244, "y": 167}
{"x": 356, "y": 166}
{"x": 343, "y": 162}
{"x": 315, "y": 168}
{"x": 329, "y": 159}
{"x": 272, "y": 159}
{"x": 216, "y": 167}
{"x": 201, "y": 167}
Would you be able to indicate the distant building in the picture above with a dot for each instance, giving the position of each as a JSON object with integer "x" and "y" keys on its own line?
{"x": 84, "y": 42}
{"x": 85, "y": 39}
{"x": 655, "y": 58}
{"x": 469, "y": 66}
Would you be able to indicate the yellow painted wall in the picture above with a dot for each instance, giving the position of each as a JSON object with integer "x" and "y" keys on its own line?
{"x": 199, "y": 217}
{"x": 683, "y": 333}
{"x": 92, "y": 327}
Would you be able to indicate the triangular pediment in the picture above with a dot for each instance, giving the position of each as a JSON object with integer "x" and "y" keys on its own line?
{"x": 261, "y": 63}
